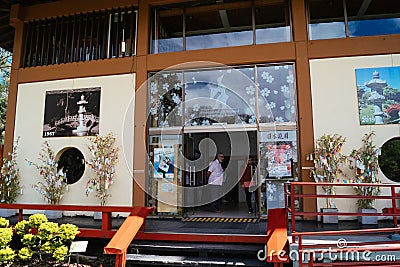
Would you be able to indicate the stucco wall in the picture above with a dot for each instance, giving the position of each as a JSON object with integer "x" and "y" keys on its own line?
{"x": 116, "y": 116}
{"x": 335, "y": 108}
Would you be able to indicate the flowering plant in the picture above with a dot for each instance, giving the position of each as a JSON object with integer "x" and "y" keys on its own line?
{"x": 53, "y": 185}
{"x": 327, "y": 161}
{"x": 365, "y": 160}
{"x": 104, "y": 158}
{"x": 9, "y": 181}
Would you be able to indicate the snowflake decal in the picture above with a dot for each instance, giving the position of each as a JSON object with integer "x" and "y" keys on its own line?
{"x": 252, "y": 101}
{"x": 279, "y": 119}
{"x": 165, "y": 86}
{"x": 196, "y": 107}
{"x": 177, "y": 86}
{"x": 271, "y": 105}
{"x": 285, "y": 89}
{"x": 290, "y": 78}
{"x": 268, "y": 77}
{"x": 250, "y": 90}
{"x": 177, "y": 100}
{"x": 153, "y": 88}
{"x": 265, "y": 92}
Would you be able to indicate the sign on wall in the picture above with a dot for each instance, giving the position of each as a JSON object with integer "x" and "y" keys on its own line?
{"x": 378, "y": 93}
{"x": 74, "y": 112}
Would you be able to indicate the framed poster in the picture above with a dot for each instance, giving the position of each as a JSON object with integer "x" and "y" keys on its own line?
{"x": 73, "y": 112}
{"x": 378, "y": 94}
{"x": 164, "y": 163}
{"x": 279, "y": 160}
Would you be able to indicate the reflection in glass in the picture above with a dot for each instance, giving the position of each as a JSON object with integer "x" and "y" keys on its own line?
{"x": 276, "y": 94}
{"x": 165, "y": 99}
{"x": 374, "y": 27}
{"x": 167, "y": 30}
{"x": 219, "y": 96}
{"x": 164, "y": 174}
{"x": 218, "y": 28}
{"x": 326, "y": 20}
{"x": 272, "y": 22}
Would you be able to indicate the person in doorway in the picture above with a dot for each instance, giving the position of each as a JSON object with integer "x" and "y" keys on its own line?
{"x": 247, "y": 171}
{"x": 215, "y": 175}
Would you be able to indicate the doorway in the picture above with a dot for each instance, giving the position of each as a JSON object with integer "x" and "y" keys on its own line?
{"x": 200, "y": 149}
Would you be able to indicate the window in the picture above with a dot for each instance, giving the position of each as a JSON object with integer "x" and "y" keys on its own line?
{"x": 80, "y": 37}
{"x": 72, "y": 163}
{"x": 212, "y": 24}
{"x": 389, "y": 160}
{"x": 333, "y": 19}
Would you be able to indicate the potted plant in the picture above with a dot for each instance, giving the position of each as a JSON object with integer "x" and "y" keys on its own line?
{"x": 327, "y": 162}
{"x": 54, "y": 183}
{"x": 9, "y": 181}
{"x": 365, "y": 163}
{"x": 104, "y": 159}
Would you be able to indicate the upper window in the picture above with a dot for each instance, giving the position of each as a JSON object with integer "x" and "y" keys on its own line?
{"x": 80, "y": 37}
{"x": 352, "y": 18}
{"x": 207, "y": 24}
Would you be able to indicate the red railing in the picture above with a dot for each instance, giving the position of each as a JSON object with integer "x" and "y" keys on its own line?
{"x": 106, "y": 230}
{"x": 293, "y": 192}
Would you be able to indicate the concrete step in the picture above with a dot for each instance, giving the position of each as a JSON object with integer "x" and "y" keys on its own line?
{"x": 163, "y": 260}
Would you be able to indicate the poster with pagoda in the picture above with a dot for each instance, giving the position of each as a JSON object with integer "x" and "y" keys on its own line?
{"x": 378, "y": 93}
{"x": 73, "y": 112}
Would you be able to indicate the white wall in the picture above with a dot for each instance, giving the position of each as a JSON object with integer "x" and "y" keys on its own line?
{"x": 116, "y": 116}
{"x": 335, "y": 108}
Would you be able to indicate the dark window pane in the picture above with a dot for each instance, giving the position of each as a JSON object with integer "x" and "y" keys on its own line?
{"x": 72, "y": 163}
{"x": 326, "y": 19}
{"x": 389, "y": 160}
{"x": 218, "y": 26}
{"x": 377, "y": 17}
{"x": 272, "y": 23}
{"x": 168, "y": 31}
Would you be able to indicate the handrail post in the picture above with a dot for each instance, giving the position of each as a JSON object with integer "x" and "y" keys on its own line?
{"x": 20, "y": 214}
{"x": 293, "y": 215}
{"x": 393, "y": 192}
{"x": 106, "y": 223}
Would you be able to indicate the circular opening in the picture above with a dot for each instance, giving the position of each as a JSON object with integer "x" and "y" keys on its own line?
{"x": 389, "y": 160}
{"x": 72, "y": 163}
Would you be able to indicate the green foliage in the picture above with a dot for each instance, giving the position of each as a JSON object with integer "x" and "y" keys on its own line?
{"x": 4, "y": 222}
{"x": 9, "y": 181}
{"x": 36, "y": 220}
{"x": 327, "y": 162}
{"x": 5, "y": 236}
{"x": 25, "y": 253}
{"x": 104, "y": 159}
{"x": 366, "y": 167}
{"x": 47, "y": 241}
{"x": 389, "y": 160}
{"x": 7, "y": 255}
{"x": 5, "y": 69}
{"x": 53, "y": 185}
{"x": 391, "y": 93}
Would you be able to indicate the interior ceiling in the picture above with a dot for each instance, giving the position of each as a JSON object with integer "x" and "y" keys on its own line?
{"x": 6, "y": 31}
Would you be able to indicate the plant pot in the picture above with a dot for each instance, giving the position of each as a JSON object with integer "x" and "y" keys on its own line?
{"x": 330, "y": 218}
{"x": 53, "y": 214}
{"x": 368, "y": 219}
{"x": 97, "y": 215}
{"x": 5, "y": 213}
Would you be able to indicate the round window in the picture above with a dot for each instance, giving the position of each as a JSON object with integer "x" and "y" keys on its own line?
{"x": 389, "y": 160}
{"x": 72, "y": 164}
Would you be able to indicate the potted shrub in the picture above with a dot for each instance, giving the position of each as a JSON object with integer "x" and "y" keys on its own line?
{"x": 54, "y": 183}
{"x": 9, "y": 181}
{"x": 104, "y": 159}
{"x": 365, "y": 163}
{"x": 327, "y": 162}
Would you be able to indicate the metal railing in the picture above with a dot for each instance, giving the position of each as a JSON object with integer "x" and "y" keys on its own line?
{"x": 293, "y": 192}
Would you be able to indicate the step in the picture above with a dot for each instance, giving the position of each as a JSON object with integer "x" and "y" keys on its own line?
{"x": 196, "y": 249}
{"x": 158, "y": 260}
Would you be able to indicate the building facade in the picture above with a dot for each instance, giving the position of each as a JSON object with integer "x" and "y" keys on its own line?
{"x": 178, "y": 81}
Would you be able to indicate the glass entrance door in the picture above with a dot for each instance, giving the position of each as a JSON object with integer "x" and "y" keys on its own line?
{"x": 200, "y": 149}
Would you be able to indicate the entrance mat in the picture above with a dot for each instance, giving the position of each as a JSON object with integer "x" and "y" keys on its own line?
{"x": 222, "y": 220}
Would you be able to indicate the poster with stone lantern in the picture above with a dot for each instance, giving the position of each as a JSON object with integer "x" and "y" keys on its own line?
{"x": 73, "y": 112}
{"x": 378, "y": 93}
